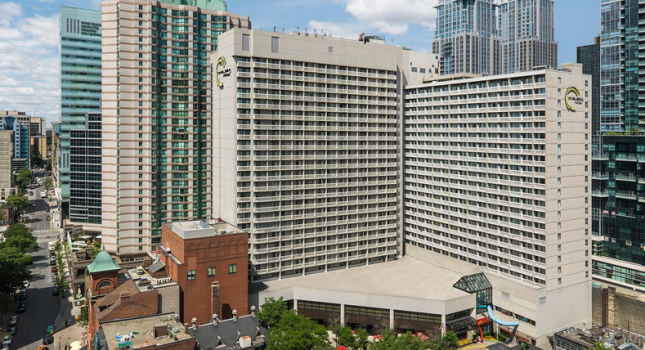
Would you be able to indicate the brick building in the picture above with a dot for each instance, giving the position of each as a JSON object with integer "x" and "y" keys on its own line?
{"x": 209, "y": 260}
{"x": 118, "y": 294}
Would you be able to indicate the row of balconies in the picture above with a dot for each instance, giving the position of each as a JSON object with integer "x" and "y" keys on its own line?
{"x": 260, "y": 269}
{"x": 302, "y": 68}
{"x": 313, "y": 108}
{"x": 373, "y": 182}
{"x": 448, "y": 102}
{"x": 262, "y": 147}
{"x": 430, "y": 127}
{"x": 373, "y": 128}
{"x": 469, "y": 120}
{"x": 475, "y": 90}
{"x": 372, "y": 119}
{"x": 315, "y": 98}
{"x": 480, "y": 238}
{"x": 474, "y": 109}
{"x": 312, "y": 225}
{"x": 445, "y": 242}
{"x": 259, "y": 244}
{"x": 427, "y": 145}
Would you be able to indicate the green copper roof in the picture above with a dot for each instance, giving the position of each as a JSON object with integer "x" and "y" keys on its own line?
{"x": 103, "y": 263}
{"x": 213, "y": 5}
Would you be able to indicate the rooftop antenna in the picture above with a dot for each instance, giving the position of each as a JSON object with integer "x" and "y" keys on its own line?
{"x": 274, "y": 29}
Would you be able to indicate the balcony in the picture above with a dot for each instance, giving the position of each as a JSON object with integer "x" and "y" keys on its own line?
{"x": 599, "y": 193}
{"x": 600, "y": 176}
{"x": 599, "y": 156}
{"x": 630, "y": 177}
{"x": 627, "y": 157}
{"x": 626, "y": 195}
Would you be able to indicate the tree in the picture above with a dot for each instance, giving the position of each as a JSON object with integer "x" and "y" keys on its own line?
{"x": 392, "y": 341}
{"x": 13, "y": 268}
{"x": 598, "y": 346}
{"x": 272, "y": 311}
{"x": 49, "y": 186}
{"x": 37, "y": 160}
{"x": 26, "y": 177}
{"x": 19, "y": 202}
{"x": 19, "y": 236}
{"x": 450, "y": 341}
{"x": 296, "y": 332}
{"x": 633, "y": 131}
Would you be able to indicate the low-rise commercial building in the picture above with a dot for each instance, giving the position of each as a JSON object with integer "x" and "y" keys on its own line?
{"x": 209, "y": 260}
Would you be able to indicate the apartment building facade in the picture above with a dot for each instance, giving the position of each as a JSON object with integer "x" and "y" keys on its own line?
{"x": 85, "y": 173}
{"x": 498, "y": 179}
{"x": 466, "y": 37}
{"x": 80, "y": 79}
{"x": 7, "y": 187}
{"x": 527, "y": 31}
{"x": 156, "y": 104}
{"x": 305, "y": 147}
{"x": 610, "y": 119}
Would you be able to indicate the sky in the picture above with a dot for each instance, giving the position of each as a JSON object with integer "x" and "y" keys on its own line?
{"x": 29, "y": 35}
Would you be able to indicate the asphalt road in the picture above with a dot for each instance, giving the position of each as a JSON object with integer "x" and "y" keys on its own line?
{"x": 42, "y": 306}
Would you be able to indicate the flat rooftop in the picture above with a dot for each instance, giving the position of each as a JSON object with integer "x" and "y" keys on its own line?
{"x": 408, "y": 277}
{"x": 153, "y": 330}
{"x": 202, "y": 228}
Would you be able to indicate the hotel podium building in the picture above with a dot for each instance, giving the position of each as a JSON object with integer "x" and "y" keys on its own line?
{"x": 498, "y": 179}
{"x": 306, "y": 147}
{"x": 156, "y": 105}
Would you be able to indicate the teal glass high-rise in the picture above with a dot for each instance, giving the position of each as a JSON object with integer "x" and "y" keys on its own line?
{"x": 80, "y": 60}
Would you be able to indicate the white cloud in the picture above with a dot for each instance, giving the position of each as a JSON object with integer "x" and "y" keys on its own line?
{"x": 392, "y": 17}
{"x": 9, "y": 11}
{"x": 29, "y": 62}
{"x": 389, "y": 15}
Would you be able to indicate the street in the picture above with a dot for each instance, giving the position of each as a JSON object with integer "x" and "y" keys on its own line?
{"x": 42, "y": 306}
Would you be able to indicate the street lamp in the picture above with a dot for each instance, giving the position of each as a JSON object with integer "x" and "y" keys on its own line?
{"x": 59, "y": 340}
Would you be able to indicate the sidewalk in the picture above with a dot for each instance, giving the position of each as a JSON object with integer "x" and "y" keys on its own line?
{"x": 73, "y": 332}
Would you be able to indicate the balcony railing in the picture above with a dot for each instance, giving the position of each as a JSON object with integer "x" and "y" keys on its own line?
{"x": 626, "y": 195}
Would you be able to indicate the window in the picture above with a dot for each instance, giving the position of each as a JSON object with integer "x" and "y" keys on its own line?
{"x": 422, "y": 70}
{"x": 413, "y": 69}
{"x": 211, "y": 271}
{"x": 559, "y": 80}
{"x": 232, "y": 268}
{"x": 559, "y": 279}
{"x": 330, "y": 49}
{"x": 275, "y": 44}
{"x": 246, "y": 42}
{"x": 191, "y": 275}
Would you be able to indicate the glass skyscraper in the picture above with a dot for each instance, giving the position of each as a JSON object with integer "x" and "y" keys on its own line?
{"x": 610, "y": 65}
{"x": 466, "y": 37}
{"x": 80, "y": 60}
{"x": 526, "y": 28}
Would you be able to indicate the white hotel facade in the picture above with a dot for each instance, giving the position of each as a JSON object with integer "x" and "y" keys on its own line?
{"x": 306, "y": 147}
{"x": 497, "y": 179}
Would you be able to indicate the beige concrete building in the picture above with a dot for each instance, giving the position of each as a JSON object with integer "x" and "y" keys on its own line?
{"x": 156, "y": 104}
{"x": 497, "y": 179}
{"x": 305, "y": 147}
{"x": 6, "y": 164}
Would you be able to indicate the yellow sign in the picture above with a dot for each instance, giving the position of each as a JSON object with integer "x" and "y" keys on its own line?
{"x": 220, "y": 69}
{"x": 572, "y": 97}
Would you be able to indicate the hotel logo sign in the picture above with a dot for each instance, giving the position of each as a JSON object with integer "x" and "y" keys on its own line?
{"x": 572, "y": 98}
{"x": 221, "y": 71}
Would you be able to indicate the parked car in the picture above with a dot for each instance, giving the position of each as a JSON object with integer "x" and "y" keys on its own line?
{"x": 25, "y": 283}
{"x": 22, "y": 307}
{"x": 52, "y": 254}
{"x": 51, "y": 329}
{"x": 52, "y": 262}
{"x": 22, "y": 296}
{"x": 55, "y": 290}
{"x": 54, "y": 269}
{"x": 13, "y": 320}
{"x": 13, "y": 330}
{"x": 48, "y": 339}
{"x": 33, "y": 205}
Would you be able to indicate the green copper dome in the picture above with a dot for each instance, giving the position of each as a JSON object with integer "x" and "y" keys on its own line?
{"x": 103, "y": 263}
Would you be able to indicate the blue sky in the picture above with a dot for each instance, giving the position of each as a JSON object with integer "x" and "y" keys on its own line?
{"x": 29, "y": 63}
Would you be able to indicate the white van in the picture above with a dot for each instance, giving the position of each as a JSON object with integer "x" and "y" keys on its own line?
{"x": 52, "y": 245}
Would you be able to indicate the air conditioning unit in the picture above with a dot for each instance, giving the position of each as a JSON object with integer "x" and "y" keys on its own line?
{"x": 628, "y": 243}
{"x": 245, "y": 341}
